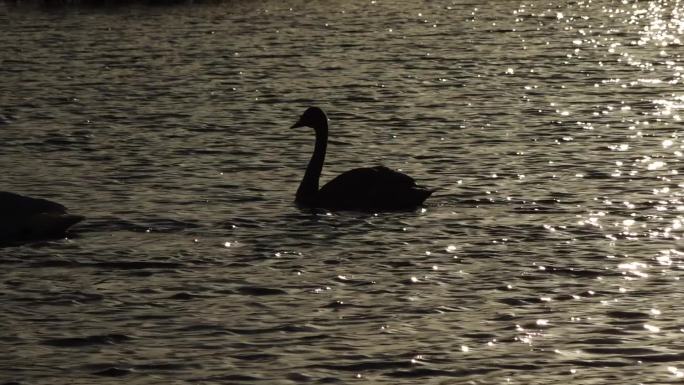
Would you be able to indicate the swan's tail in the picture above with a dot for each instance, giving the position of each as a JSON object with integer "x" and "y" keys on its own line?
{"x": 422, "y": 193}
{"x": 66, "y": 221}
{"x": 55, "y": 225}
{"x": 38, "y": 226}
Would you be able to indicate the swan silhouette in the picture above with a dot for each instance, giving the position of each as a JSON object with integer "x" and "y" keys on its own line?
{"x": 25, "y": 219}
{"x": 367, "y": 189}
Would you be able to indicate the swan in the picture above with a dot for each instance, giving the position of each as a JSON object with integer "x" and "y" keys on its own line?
{"x": 24, "y": 218}
{"x": 367, "y": 189}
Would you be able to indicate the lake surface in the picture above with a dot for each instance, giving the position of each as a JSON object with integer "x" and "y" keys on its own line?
{"x": 551, "y": 252}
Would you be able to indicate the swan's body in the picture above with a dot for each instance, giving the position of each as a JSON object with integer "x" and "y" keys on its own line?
{"x": 24, "y": 218}
{"x": 374, "y": 188}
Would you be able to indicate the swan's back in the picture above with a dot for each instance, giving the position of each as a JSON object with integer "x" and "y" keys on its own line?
{"x": 24, "y": 218}
{"x": 372, "y": 188}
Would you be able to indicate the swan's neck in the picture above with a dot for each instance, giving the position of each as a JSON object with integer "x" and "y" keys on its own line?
{"x": 308, "y": 189}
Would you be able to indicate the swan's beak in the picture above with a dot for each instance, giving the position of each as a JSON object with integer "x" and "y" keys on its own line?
{"x": 298, "y": 124}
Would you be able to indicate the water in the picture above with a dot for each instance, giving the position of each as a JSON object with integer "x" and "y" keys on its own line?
{"x": 551, "y": 252}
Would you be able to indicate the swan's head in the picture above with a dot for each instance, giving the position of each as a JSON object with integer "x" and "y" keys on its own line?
{"x": 313, "y": 117}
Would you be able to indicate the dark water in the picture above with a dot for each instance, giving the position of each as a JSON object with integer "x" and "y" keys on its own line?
{"x": 551, "y": 252}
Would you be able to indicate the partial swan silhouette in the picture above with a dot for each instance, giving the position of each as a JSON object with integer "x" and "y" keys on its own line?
{"x": 366, "y": 189}
{"x": 25, "y": 219}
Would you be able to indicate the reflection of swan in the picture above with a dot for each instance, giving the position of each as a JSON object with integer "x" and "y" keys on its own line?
{"x": 24, "y": 218}
{"x": 374, "y": 188}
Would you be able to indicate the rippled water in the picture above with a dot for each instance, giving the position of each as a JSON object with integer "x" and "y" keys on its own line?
{"x": 551, "y": 252}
